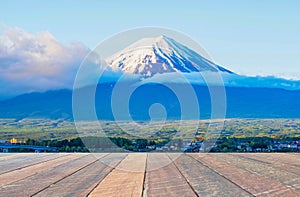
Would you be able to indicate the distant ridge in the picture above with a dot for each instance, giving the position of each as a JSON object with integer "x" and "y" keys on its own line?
{"x": 241, "y": 103}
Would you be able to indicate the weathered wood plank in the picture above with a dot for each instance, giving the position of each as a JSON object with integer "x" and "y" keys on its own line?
{"x": 83, "y": 181}
{"x": 16, "y": 175}
{"x": 289, "y": 179}
{"x": 205, "y": 181}
{"x": 254, "y": 183}
{"x": 7, "y": 156}
{"x": 164, "y": 179}
{"x": 24, "y": 161}
{"x": 126, "y": 180}
{"x": 277, "y": 159}
{"x": 38, "y": 182}
{"x": 292, "y": 158}
{"x": 235, "y": 174}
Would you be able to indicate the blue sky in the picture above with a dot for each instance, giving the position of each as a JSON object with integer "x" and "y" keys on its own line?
{"x": 249, "y": 37}
{"x": 259, "y": 37}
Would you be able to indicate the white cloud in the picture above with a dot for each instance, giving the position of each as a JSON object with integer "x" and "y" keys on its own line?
{"x": 36, "y": 62}
{"x": 225, "y": 79}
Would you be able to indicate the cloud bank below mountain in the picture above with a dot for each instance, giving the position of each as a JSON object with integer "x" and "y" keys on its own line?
{"x": 223, "y": 79}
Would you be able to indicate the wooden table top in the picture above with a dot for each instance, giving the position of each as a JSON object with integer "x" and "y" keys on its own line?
{"x": 149, "y": 174}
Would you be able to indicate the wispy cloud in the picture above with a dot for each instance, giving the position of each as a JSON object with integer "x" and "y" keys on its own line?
{"x": 36, "y": 62}
{"x": 225, "y": 79}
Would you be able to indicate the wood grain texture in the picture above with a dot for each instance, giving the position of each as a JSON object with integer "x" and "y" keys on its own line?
{"x": 16, "y": 175}
{"x": 125, "y": 180}
{"x": 255, "y": 183}
{"x": 85, "y": 180}
{"x": 164, "y": 179}
{"x": 149, "y": 174}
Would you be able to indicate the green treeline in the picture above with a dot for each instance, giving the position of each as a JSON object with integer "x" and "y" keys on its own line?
{"x": 86, "y": 144}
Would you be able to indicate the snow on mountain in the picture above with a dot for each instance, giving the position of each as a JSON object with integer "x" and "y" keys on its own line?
{"x": 162, "y": 54}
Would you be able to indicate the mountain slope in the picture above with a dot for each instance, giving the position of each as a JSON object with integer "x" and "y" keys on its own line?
{"x": 162, "y": 54}
{"x": 51, "y": 104}
{"x": 241, "y": 103}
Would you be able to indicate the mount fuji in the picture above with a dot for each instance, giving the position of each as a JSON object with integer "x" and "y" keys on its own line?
{"x": 150, "y": 56}
{"x": 162, "y": 58}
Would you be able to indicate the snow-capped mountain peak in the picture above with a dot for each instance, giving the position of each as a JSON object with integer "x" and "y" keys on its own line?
{"x": 162, "y": 54}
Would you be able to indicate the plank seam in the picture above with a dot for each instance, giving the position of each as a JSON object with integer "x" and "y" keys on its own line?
{"x": 192, "y": 188}
{"x": 205, "y": 165}
{"x": 144, "y": 180}
{"x": 113, "y": 168}
{"x": 34, "y": 173}
{"x": 288, "y": 186}
{"x": 69, "y": 174}
{"x": 32, "y": 164}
